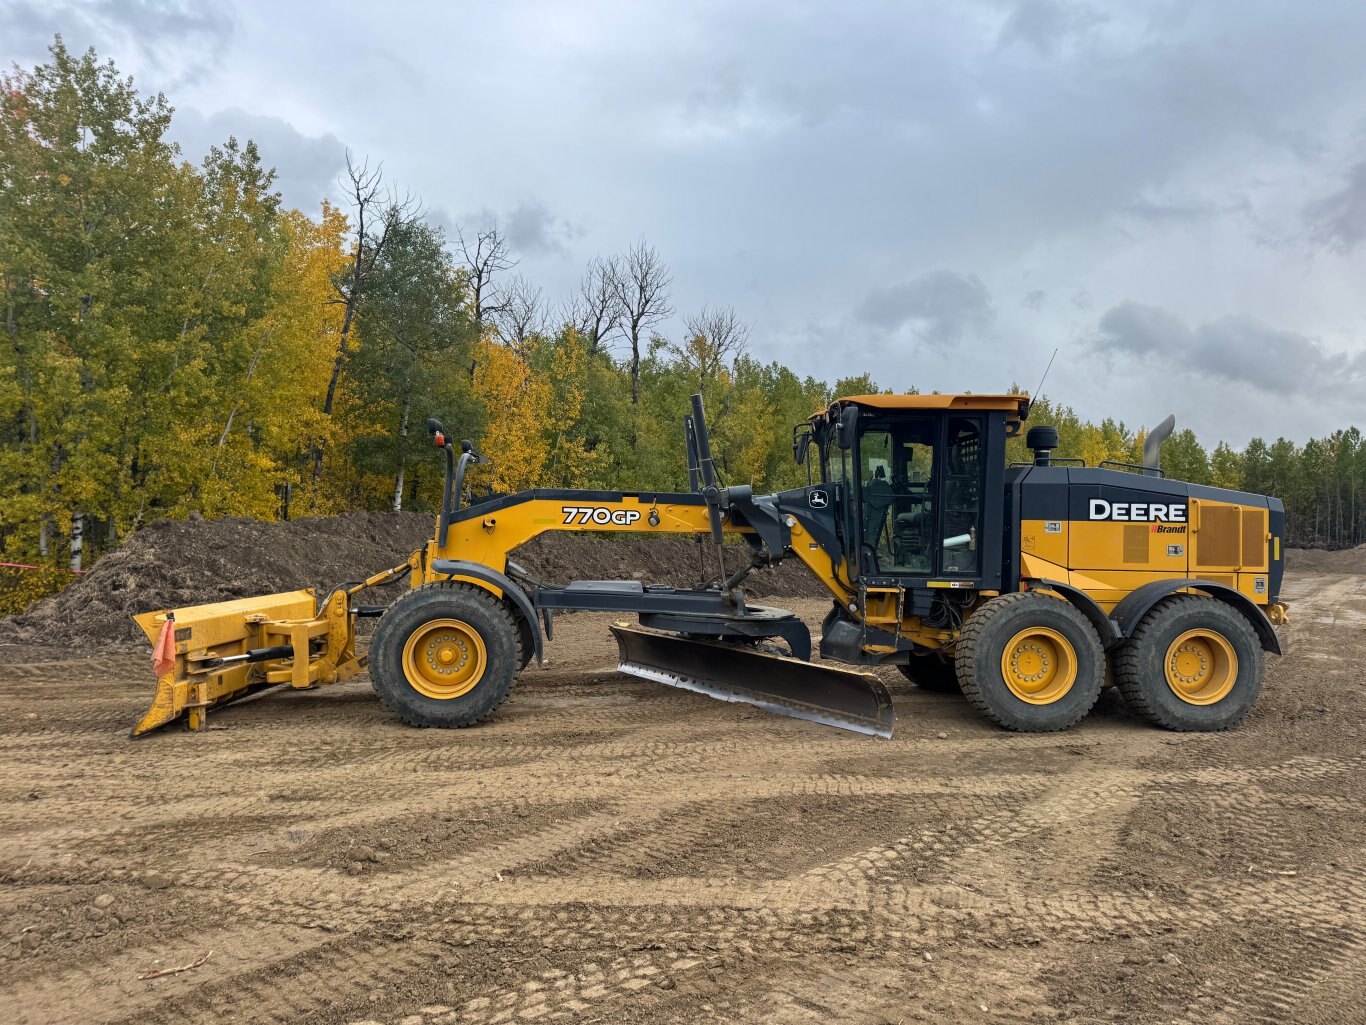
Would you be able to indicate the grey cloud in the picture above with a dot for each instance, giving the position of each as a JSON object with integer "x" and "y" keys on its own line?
{"x": 533, "y": 230}
{"x": 179, "y": 38}
{"x": 529, "y": 227}
{"x": 1182, "y": 210}
{"x": 1238, "y": 349}
{"x": 1135, "y": 329}
{"x": 307, "y": 165}
{"x": 940, "y": 306}
{"x": 1338, "y": 220}
{"x": 1034, "y": 299}
{"x": 29, "y": 27}
{"x": 721, "y": 90}
{"x": 1047, "y": 25}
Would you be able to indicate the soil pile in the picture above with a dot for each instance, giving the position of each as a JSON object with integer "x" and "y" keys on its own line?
{"x": 559, "y": 558}
{"x": 1317, "y": 560}
{"x": 172, "y": 563}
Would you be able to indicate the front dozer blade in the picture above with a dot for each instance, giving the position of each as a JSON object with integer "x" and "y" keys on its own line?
{"x": 211, "y": 664}
{"x": 845, "y": 698}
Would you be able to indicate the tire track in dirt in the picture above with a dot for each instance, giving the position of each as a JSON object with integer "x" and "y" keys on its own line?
{"x": 1017, "y": 860}
{"x": 55, "y": 997}
{"x": 1296, "y": 974}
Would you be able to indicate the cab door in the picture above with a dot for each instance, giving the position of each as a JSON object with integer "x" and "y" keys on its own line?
{"x": 920, "y": 481}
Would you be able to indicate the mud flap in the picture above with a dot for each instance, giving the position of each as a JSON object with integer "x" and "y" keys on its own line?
{"x": 844, "y": 698}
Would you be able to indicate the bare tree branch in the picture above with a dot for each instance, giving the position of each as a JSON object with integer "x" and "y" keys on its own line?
{"x": 522, "y": 314}
{"x": 596, "y": 310}
{"x": 484, "y": 258}
{"x": 375, "y": 215}
{"x": 715, "y": 337}
{"x": 643, "y": 291}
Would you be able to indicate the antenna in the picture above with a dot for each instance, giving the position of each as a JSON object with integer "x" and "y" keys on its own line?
{"x": 1039, "y": 391}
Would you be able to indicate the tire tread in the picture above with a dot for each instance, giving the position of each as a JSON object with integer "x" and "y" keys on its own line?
{"x": 1129, "y": 676}
{"x": 423, "y": 594}
{"x": 976, "y": 632}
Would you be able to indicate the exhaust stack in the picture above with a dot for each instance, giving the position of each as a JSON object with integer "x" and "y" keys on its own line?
{"x": 1152, "y": 444}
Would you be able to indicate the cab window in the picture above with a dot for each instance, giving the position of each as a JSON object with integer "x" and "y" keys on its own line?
{"x": 962, "y": 496}
{"x": 920, "y": 494}
{"x": 898, "y": 507}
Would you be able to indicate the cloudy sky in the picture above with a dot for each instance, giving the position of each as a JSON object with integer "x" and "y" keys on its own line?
{"x": 1171, "y": 193}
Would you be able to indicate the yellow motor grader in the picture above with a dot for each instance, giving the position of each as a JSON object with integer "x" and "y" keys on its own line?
{"x": 1017, "y": 584}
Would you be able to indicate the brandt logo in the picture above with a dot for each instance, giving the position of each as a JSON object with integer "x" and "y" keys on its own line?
{"x": 818, "y": 499}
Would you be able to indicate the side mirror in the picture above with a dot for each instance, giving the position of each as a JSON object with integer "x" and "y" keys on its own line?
{"x": 434, "y": 426}
{"x": 800, "y": 444}
{"x": 848, "y": 428}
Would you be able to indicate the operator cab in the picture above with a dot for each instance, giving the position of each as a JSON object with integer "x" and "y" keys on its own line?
{"x": 916, "y": 478}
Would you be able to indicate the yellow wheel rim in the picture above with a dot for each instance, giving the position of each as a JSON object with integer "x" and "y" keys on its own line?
{"x": 444, "y": 659}
{"x": 1201, "y": 667}
{"x": 1039, "y": 665}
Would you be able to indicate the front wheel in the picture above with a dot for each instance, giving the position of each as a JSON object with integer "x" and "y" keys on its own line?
{"x": 444, "y": 655}
{"x": 1193, "y": 663}
{"x": 932, "y": 673}
{"x": 1031, "y": 662}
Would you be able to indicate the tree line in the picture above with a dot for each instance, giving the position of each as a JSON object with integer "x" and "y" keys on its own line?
{"x": 175, "y": 340}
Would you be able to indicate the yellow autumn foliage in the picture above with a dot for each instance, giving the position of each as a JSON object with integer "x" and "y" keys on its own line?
{"x": 518, "y": 404}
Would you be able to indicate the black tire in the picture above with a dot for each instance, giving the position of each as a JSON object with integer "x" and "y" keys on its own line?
{"x": 981, "y": 661}
{"x": 1141, "y": 666}
{"x": 526, "y": 642}
{"x": 932, "y": 673}
{"x": 475, "y": 610}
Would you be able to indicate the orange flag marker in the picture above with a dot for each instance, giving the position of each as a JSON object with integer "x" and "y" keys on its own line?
{"x": 163, "y": 652}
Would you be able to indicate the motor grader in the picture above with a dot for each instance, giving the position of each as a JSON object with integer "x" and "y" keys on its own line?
{"x": 1026, "y": 586}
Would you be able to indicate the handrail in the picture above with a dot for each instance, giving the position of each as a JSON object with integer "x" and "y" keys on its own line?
{"x": 1052, "y": 461}
{"x": 1147, "y": 471}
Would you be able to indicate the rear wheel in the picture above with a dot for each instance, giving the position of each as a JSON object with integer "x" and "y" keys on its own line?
{"x": 1030, "y": 662}
{"x": 444, "y": 655}
{"x": 932, "y": 673}
{"x": 1193, "y": 663}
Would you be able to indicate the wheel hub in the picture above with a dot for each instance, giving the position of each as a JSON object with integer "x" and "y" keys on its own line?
{"x": 1039, "y": 665}
{"x": 1201, "y": 667}
{"x": 444, "y": 658}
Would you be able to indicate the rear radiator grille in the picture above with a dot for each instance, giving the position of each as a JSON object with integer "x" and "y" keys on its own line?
{"x": 1136, "y": 543}
{"x": 1218, "y": 543}
{"x": 1254, "y": 539}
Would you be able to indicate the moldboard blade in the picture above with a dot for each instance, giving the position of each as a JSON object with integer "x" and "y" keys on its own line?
{"x": 844, "y": 698}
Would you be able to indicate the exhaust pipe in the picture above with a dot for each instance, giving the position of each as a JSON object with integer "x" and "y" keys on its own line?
{"x": 1152, "y": 444}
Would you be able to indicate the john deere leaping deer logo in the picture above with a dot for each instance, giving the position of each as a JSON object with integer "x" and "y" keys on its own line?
{"x": 818, "y": 499}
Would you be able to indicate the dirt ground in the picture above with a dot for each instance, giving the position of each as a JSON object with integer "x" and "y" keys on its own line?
{"x": 609, "y": 850}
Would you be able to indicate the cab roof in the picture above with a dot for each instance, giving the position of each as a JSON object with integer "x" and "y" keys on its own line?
{"x": 1017, "y": 405}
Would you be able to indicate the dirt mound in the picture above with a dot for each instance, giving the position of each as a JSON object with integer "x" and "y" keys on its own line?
{"x": 559, "y": 558}
{"x": 172, "y": 563}
{"x": 1317, "y": 560}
